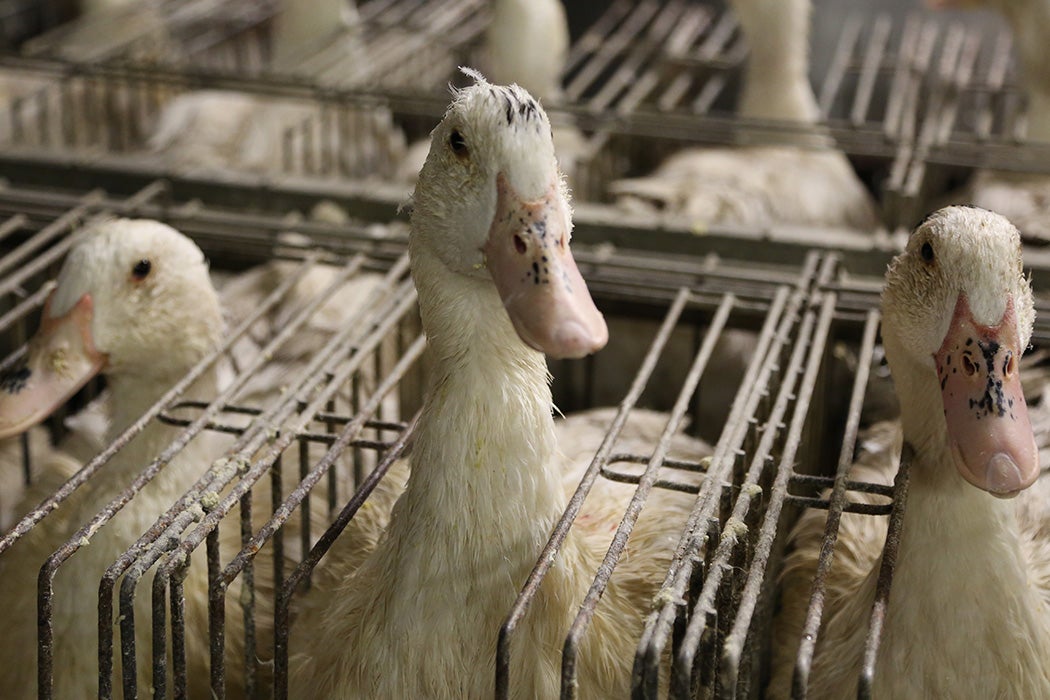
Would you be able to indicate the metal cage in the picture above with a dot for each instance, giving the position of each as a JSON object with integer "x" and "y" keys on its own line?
{"x": 646, "y": 78}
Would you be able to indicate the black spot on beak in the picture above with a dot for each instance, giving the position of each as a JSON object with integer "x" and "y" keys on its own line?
{"x": 14, "y": 381}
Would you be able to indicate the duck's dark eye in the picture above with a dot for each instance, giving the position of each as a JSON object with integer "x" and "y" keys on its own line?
{"x": 457, "y": 143}
{"x": 927, "y": 252}
{"x": 141, "y": 269}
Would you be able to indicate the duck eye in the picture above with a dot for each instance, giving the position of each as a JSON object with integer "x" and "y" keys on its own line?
{"x": 457, "y": 143}
{"x": 141, "y": 270}
{"x": 927, "y": 252}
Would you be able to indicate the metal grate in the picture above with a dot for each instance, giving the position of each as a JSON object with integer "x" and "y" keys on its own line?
{"x": 708, "y": 634}
{"x": 408, "y": 43}
{"x": 645, "y": 79}
{"x": 973, "y": 116}
{"x": 901, "y": 97}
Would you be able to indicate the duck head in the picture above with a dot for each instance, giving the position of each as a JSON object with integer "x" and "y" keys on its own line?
{"x": 957, "y": 315}
{"x": 490, "y": 203}
{"x": 133, "y": 300}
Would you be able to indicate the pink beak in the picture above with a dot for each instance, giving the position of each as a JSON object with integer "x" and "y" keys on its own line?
{"x": 61, "y": 358}
{"x": 527, "y": 255}
{"x": 989, "y": 431}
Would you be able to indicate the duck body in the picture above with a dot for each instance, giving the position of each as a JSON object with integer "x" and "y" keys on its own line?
{"x": 969, "y": 610}
{"x": 753, "y": 186}
{"x": 217, "y": 130}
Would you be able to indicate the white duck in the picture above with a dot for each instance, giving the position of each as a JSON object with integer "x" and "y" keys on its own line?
{"x": 1021, "y": 197}
{"x": 528, "y": 42}
{"x": 762, "y": 185}
{"x": 498, "y": 287}
{"x": 969, "y": 611}
{"x": 220, "y": 129}
{"x": 134, "y": 301}
{"x": 299, "y": 26}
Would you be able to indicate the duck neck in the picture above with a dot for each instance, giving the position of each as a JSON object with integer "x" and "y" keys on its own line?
{"x": 301, "y": 25}
{"x": 1028, "y": 22}
{"x": 131, "y": 395}
{"x": 776, "y": 81}
{"x": 1038, "y": 113}
{"x": 481, "y": 456}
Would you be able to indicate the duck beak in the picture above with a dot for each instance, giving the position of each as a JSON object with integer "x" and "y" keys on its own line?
{"x": 527, "y": 254}
{"x": 989, "y": 431}
{"x": 60, "y": 359}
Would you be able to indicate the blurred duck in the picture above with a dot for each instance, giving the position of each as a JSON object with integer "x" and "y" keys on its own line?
{"x": 219, "y": 130}
{"x": 135, "y": 302}
{"x": 763, "y": 185}
{"x": 1021, "y": 197}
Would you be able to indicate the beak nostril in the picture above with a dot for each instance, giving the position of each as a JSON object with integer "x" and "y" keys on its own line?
{"x": 519, "y": 244}
{"x": 1009, "y": 365}
{"x": 969, "y": 367}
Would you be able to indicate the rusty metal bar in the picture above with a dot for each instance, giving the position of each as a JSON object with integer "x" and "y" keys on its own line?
{"x": 778, "y": 322}
{"x": 889, "y": 562}
{"x": 137, "y": 559}
{"x": 569, "y": 684}
{"x": 802, "y": 369}
{"x": 324, "y": 543}
{"x": 178, "y": 560}
{"x": 105, "y": 600}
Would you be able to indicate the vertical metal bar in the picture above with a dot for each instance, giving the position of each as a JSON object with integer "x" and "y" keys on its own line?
{"x": 276, "y": 498}
{"x": 634, "y": 508}
{"x": 247, "y": 600}
{"x": 869, "y": 72}
{"x": 216, "y": 617}
{"x": 333, "y": 474}
{"x": 304, "y": 514}
{"x": 889, "y": 563}
{"x": 178, "y": 634}
{"x": 160, "y": 639}
{"x": 129, "y": 667}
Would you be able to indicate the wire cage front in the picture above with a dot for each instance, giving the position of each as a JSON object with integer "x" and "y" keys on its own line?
{"x": 316, "y": 452}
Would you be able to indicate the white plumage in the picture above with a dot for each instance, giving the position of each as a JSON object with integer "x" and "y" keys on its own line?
{"x": 487, "y": 481}
{"x": 811, "y": 184}
{"x": 969, "y": 610}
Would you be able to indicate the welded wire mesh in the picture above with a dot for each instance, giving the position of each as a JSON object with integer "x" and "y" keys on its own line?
{"x": 644, "y": 80}
{"x": 973, "y": 114}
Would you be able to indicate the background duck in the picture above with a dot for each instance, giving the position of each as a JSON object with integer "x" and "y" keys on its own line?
{"x": 811, "y": 184}
{"x": 222, "y": 129}
{"x": 1021, "y": 197}
{"x": 498, "y": 288}
{"x": 969, "y": 612}
{"x": 134, "y": 301}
